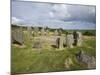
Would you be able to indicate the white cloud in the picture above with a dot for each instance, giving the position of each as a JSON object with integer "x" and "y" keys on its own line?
{"x": 15, "y": 20}
{"x": 51, "y": 14}
{"x": 59, "y": 11}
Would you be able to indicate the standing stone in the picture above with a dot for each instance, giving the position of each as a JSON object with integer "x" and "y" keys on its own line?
{"x": 43, "y": 31}
{"x": 36, "y": 31}
{"x": 59, "y": 43}
{"x": 47, "y": 32}
{"x": 79, "y": 39}
{"x": 56, "y": 33}
{"x": 60, "y": 32}
{"x": 69, "y": 41}
{"x": 75, "y": 38}
{"x": 29, "y": 29}
{"x": 17, "y": 37}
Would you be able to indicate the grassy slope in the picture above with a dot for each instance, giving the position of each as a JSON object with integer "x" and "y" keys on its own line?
{"x": 27, "y": 60}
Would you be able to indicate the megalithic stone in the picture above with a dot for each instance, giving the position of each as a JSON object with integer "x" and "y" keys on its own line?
{"x": 36, "y": 30}
{"x": 47, "y": 32}
{"x": 56, "y": 33}
{"x": 69, "y": 41}
{"x": 60, "y": 32}
{"x": 82, "y": 57}
{"x": 75, "y": 38}
{"x": 17, "y": 37}
{"x": 29, "y": 29}
{"x": 79, "y": 38}
{"x": 59, "y": 42}
{"x": 42, "y": 31}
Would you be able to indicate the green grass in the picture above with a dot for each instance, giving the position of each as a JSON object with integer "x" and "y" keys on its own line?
{"x": 29, "y": 60}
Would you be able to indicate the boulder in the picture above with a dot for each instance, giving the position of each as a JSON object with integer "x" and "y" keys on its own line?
{"x": 90, "y": 61}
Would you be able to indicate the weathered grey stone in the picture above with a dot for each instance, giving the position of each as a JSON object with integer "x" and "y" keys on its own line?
{"x": 92, "y": 63}
{"x": 36, "y": 29}
{"x": 47, "y": 32}
{"x": 77, "y": 38}
{"x": 61, "y": 42}
{"x": 17, "y": 37}
{"x": 69, "y": 41}
{"x": 29, "y": 29}
{"x": 43, "y": 31}
{"x": 57, "y": 42}
{"x": 60, "y": 32}
{"x": 86, "y": 59}
{"x": 56, "y": 33}
{"x": 54, "y": 41}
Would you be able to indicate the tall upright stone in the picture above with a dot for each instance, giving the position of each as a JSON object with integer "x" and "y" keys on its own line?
{"x": 59, "y": 43}
{"x": 79, "y": 39}
{"x": 17, "y": 37}
{"x": 56, "y": 33}
{"x": 47, "y": 32}
{"x": 36, "y": 30}
{"x": 60, "y": 32}
{"x": 75, "y": 38}
{"x": 69, "y": 41}
{"x": 29, "y": 29}
{"x": 43, "y": 31}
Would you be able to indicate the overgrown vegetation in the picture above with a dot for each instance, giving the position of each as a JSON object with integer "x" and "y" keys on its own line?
{"x": 89, "y": 33}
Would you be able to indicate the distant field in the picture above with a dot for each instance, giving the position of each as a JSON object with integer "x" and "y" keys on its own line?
{"x": 29, "y": 60}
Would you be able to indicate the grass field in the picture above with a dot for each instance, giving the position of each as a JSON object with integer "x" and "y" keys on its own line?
{"x": 29, "y": 60}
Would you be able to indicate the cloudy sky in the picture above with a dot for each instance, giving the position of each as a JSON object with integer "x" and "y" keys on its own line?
{"x": 54, "y": 15}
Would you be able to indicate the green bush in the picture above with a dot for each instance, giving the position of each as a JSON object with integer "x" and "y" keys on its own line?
{"x": 89, "y": 33}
